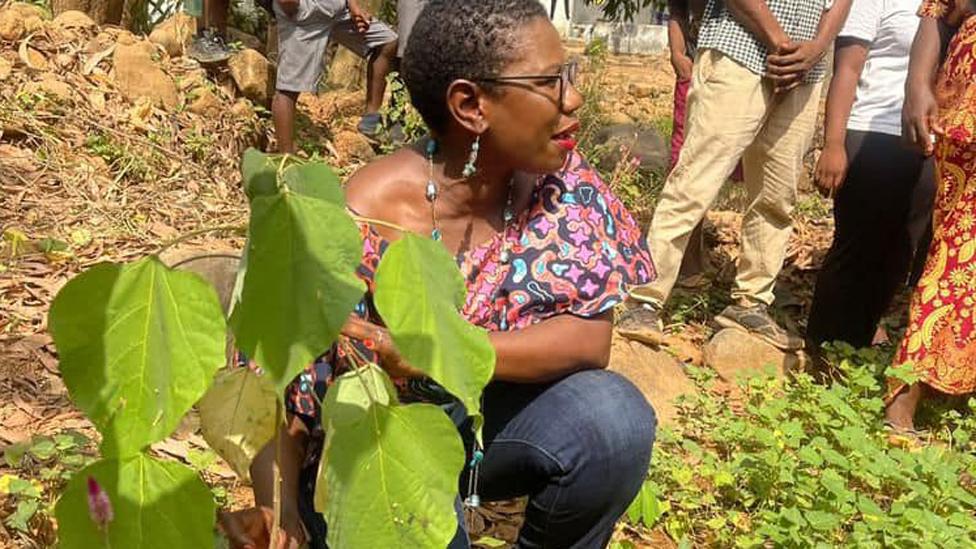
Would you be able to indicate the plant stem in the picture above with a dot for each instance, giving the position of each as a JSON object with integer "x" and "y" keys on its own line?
{"x": 381, "y": 223}
{"x": 193, "y": 234}
{"x": 276, "y": 523}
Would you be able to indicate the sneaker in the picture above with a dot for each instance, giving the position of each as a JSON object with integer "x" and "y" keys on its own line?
{"x": 641, "y": 322}
{"x": 755, "y": 320}
{"x": 370, "y": 124}
{"x": 208, "y": 47}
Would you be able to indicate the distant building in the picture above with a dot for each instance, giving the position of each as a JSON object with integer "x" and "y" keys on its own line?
{"x": 647, "y": 33}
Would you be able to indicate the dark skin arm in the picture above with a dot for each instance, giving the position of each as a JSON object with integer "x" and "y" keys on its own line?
{"x": 849, "y": 58}
{"x": 920, "y": 112}
{"x": 755, "y": 16}
{"x": 677, "y": 38}
{"x": 787, "y": 67}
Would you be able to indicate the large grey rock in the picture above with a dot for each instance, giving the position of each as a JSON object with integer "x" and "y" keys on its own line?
{"x": 647, "y": 145}
{"x": 733, "y": 352}
{"x": 659, "y": 376}
{"x": 218, "y": 267}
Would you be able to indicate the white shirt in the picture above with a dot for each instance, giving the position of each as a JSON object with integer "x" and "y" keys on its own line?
{"x": 888, "y": 26}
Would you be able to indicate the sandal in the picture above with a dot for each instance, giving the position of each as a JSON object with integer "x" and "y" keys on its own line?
{"x": 910, "y": 439}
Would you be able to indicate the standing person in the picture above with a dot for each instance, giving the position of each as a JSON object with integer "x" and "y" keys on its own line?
{"x": 210, "y": 43}
{"x": 304, "y": 30}
{"x": 872, "y": 176}
{"x": 683, "y": 26}
{"x": 546, "y": 250}
{"x": 940, "y": 118}
{"x": 754, "y": 95}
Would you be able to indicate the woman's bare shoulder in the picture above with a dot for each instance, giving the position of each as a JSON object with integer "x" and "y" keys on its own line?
{"x": 388, "y": 187}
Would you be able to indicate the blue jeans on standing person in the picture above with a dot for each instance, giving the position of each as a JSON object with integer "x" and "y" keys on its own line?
{"x": 579, "y": 448}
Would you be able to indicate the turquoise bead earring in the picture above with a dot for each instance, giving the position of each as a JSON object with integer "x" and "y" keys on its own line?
{"x": 470, "y": 168}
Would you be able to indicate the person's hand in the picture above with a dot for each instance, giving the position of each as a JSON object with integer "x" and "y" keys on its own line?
{"x": 360, "y": 17}
{"x": 682, "y": 65}
{"x": 919, "y": 117}
{"x": 251, "y": 529}
{"x": 831, "y": 169}
{"x": 290, "y": 7}
{"x": 791, "y": 62}
{"x": 378, "y": 339}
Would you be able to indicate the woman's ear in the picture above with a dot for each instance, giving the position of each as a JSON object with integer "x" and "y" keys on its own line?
{"x": 465, "y": 102}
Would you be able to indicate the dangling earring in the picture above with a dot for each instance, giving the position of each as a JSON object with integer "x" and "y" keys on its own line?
{"x": 470, "y": 168}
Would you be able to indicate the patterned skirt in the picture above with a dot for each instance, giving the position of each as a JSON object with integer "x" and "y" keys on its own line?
{"x": 940, "y": 343}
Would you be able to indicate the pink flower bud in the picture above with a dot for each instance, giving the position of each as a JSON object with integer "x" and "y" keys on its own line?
{"x": 99, "y": 506}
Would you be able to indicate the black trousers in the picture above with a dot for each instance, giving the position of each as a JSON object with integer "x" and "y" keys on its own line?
{"x": 882, "y": 218}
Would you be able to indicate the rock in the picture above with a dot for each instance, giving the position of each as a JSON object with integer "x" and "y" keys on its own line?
{"x": 34, "y": 59}
{"x": 73, "y": 19}
{"x": 247, "y": 40}
{"x": 242, "y": 108}
{"x": 11, "y": 25}
{"x": 619, "y": 118}
{"x": 50, "y": 85}
{"x": 353, "y": 146}
{"x": 640, "y": 90}
{"x": 16, "y": 158}
{"x": 33, "y": 23}
{"x": 659, "y": 376}
{"x": 100, "y": 11}
{"x": 218, "y": 267}
{"x": 205, "y": 103}
{"x": 732, "y": 352}
{"x": 137, "y": 75}
{"x": 6, "y": 67}
{"x": 252, "y": 75}
{"x": 174, "y": 34}
{"x": 651, "y": 149}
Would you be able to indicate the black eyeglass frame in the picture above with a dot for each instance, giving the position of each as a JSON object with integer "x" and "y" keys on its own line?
{"x": 568, "y": 74}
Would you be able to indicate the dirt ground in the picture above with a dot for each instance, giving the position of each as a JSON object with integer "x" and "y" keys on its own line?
{"x": 94, "y": 177}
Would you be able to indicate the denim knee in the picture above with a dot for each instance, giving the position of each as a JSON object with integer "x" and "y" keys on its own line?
{"x": 616, "y": 423}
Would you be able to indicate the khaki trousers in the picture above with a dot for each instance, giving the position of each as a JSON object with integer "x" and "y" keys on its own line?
{"x": 732, "y": 114}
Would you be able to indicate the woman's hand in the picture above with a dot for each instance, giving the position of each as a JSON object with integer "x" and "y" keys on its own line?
{"x": 682, "y": 65}
{"x": 251, "y": 529}
{"x": 920, "y": 117}
{"x": 378, "y": 339}
{"x": 831, "y": 169}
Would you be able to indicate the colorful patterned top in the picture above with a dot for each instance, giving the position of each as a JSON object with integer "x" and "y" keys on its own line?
{"x": 574, "y": 250}
{"x": 956, "y": 86}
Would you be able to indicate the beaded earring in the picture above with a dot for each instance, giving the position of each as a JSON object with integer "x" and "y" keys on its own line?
{"x": 470, "y": 168}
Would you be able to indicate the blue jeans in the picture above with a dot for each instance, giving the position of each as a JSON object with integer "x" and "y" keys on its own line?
{"x": 579, "y": 448}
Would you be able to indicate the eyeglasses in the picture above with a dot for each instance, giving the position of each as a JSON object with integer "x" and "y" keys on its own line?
{"x": 568, "y": 75}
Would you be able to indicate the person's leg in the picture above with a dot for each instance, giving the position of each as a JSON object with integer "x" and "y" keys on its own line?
{"x": 900, "y": 412}
{"x": 871, "y": 252}
{"x": 301, "y": 45}
{"x": 678, "y": 115}
{"x": 773, "y": 167}
{"x": 215, "y": 15}
{"x": 726, "y": 108}
{"x": 920, "y": 220}
{"x": 579, "y": 448}
{"x": 695, "y": 261}
{"x": 378, "y": 45}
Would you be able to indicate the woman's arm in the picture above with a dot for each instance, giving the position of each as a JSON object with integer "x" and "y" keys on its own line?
{"x": 678, "y": 25}
{"x": 849, "y": 58}
{"x": 920, "y": 111}
{"x": 553, "y": 348}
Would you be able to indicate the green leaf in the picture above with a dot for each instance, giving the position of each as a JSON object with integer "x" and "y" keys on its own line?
{"x": 14, "y": 454}
{"x": 389, "y": 479}
{"x": 315, "y": 180}
{"x": 259, "y": 172}
{"x": 16, "y": 486}
{"x": 300, "y": 283}
{"x": 139, "y": 344}
{"x": 156, "y": 504}
{"x": 237, "y": 416}
{"x": 351, "y": 395}
{"x": 419, "y": 291}
{"x": 490, "y": 542}
{"x": 25, "y": 511}
{"x": 43, "y": 448}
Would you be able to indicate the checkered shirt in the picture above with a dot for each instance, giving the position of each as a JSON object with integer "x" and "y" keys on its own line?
{"x": 799, "y": 19}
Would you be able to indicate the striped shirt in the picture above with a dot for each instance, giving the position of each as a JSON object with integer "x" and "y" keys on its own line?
{"x": 798, "y": 18}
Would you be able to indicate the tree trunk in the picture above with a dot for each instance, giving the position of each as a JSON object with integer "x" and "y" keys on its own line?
{"x": 102, "y": 12}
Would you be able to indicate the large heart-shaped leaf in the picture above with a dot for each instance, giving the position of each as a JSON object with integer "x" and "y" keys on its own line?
{"x": 419, "y": 291}
{"x": 390, "y": 478}
{"x": 138, "y": 345}
{"x": 300, "y": 282}
{"x": 156, "y": 505}
{"x": 314, "y": 179}
{"x": 237, "y": 416}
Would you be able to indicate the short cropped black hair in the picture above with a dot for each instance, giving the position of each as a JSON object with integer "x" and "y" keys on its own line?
{"x": 455, "y": 39}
